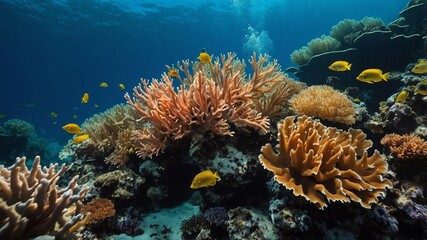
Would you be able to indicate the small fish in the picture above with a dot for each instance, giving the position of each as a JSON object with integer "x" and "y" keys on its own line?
{"x": 131, "y": 150}
{"x": 204, "y": 57}
{"x": 205, "y": 179}
{"x": 103, "y": 84}
{"x": 340, "y": 66}
{"x": 122, "y": 86}
{"x": 421, "y": 88}
{"x": 72, "y": 128}
{"x": 75, "y": 116}
{"x": 54, "y": 123}
{"x": 81, "y": 138}
{"x": 356, "y": 100}
{"x": 173, "y": 73}
{"x": 382, "y": 103}
{"x": 401, "y": 97}
{"x": 96, "y": 105}
{"x": 372, "y": 75}
{"x": 53, "y": 114}
{"x": 420, "y": 67}
{"x": 85, "y": 98}
{"x": 2, "y": 116}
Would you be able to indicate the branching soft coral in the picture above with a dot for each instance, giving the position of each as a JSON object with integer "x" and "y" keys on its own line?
{"x": 405, "y": 146}
{"x": 210, "y": 99}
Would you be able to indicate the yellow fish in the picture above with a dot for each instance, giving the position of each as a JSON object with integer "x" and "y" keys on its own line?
{"x": 103, "y": 84}
{"x": 53, "y": 114}
{"x": 340, "y": 66}
{"x": 81, "y": 138}
{"x": 85, "y": 98}
{"x": 356, "y": 100}
{"x": 204, "y": 57}
{"x": 420, "y": 68}
{"x": 122, "y": 86}
{"x": 173, "y": 73}
{"x": 205, "y": 179}
{"x": 382, "y": 103}
{"x": 372, "y": 75}
{"x": 72, "y": 128}
{"x": 421, "y": 88}
{"x": 403, "y": 95}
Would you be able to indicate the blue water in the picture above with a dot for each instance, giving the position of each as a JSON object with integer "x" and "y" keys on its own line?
{"x": 54, "y": 51}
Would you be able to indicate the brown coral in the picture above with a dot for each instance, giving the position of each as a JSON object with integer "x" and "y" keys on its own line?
{"x": 99, "y": 209}
{"x": 324, "y": 164}
{"x": 325, "y": 103}
{"x": 405, "y": 146}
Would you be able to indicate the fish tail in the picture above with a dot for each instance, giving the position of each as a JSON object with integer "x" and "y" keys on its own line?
{"x": 216, "y": 175}
{"x": 349, "y": 67}
{"x": 385, "y": 76}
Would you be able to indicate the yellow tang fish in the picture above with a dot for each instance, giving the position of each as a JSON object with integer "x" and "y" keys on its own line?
{"x": 356, "y": 100}
{"x": 72, "y": 128}
{"x": 401, "y": 97}
{"x": 340, "y": 66}
{"x": 103, "y": 84}
{"x": 122, "y": 86}
{"x": 53, "y": 114}
{"x": 421, "y": 88}
{"x": 204, "y": 57}
{"x": 173, "y": 73}
{"x": 420, "y": 68}
{"x": 205, "y": 179}
{"x": 372, "y": 75}
{"x": 85, "y": 98}
{"x": 81, "y": 138}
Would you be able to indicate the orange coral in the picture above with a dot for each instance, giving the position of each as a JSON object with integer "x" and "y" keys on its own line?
{"x": 210, "y": 100}
{"x": 325, "y": 103}
{"x": 325, "y": 164}
{"x": 98, "y": 209}
{"x": 406, "y": 146}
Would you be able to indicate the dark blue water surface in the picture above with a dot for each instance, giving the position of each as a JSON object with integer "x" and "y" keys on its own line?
{"x": 51, "y": 52}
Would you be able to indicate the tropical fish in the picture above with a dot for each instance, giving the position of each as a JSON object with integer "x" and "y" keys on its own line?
{"x": 103, "y": 84}
{"x": 173, "y": 73}
{"x": 420, "y": 67}
{"x": 81, "y": 138}
{"x": 382, "y": 103}
{"x": 204, "y": 57}
{"x": 372, "y": 75}
{"x": 421, "y": 88}
{"x": 72, "y": 128}
{"x": 401, "y": 97}
{"x": 122, "y": 86}
{"x": 356, "y": 100}
{"x": 53, "y": 114}
{"x": 205, "y": 179}
{"x": 96, "y": 105}
{"x": 340, "y": 66}
{"x": 85, "y": 98}
{"x": 75, "y": 116}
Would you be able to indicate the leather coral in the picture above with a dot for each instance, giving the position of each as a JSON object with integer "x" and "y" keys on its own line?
{"x": 325, "y": 164}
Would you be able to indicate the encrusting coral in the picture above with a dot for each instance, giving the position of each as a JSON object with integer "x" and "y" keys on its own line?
{"x": 325, "y": 103}
{"x": 31, "y": 203}
{"x": 211, "y": 100}
{"x": 405, "y": 146}
{"x": 99, "y": 209}
{"x": 325, "y": 164}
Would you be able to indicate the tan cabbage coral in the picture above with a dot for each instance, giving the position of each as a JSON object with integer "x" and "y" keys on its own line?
{"x": 325, "y": 164}
{"x": 325, "y": 103}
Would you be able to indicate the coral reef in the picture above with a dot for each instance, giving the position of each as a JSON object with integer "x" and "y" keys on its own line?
{"x": 216, "y": 216}
{"x": 347, "y": 30}
{"x": 320, "y": 163}
{"x": 98, "y": 209}
{"x": 120, "y": 184}
{"x": 32, "y": 204}
{"x": 314, "y": 47}
{"x": 325, "y": 103}
{"x": 194, "y": 226}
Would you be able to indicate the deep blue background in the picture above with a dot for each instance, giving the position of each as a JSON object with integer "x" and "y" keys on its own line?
{"x": 52, "y": 52}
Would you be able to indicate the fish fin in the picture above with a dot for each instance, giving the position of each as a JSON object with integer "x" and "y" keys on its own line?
{"x": 217, "y": 177}
{"x": 348, "y": 66}
{"x": 385, "y": 76}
